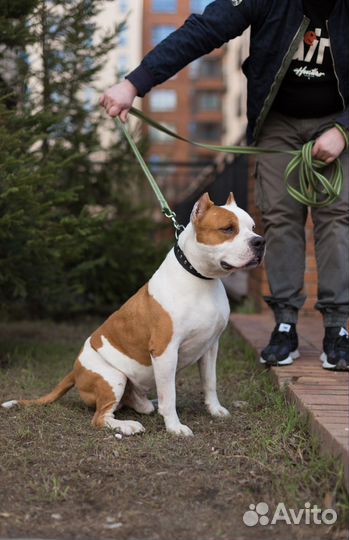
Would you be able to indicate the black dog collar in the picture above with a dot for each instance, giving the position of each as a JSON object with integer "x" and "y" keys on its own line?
{"x": 181, "y": 258}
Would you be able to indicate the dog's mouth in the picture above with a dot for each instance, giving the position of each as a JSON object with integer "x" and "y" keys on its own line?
{"x": 227, "y": 266}
{"x": 251, "y": 264}
{"x": 254, "y": 262}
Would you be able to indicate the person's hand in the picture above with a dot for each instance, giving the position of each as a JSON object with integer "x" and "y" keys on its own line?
{"x": 118, "y": 99}
{"x": 329, "y": 145}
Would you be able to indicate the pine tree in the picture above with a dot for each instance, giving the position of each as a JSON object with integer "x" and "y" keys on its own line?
{"x": 71, "y": 55}
{"x": 57, "y": 254}
{"x": 35, "y": 228}
{"x": 14, "y": 36}
{"x": 37, "y": 234}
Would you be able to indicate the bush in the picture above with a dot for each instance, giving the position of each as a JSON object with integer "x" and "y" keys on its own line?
{"x": 57, "y": 256}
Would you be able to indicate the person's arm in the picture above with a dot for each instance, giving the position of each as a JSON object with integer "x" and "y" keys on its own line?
{"x": 199, "y": 35}
{"x": 343, "y": 119}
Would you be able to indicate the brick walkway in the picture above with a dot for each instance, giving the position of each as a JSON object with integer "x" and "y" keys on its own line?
{"x": 320, "y": 394}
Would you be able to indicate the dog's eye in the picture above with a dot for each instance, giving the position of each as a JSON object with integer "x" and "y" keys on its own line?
{"x": 228, "y": 230}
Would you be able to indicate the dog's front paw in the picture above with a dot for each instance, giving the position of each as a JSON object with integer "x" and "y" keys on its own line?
{"x": 131, "y": 427}
{"x": 181, "y": 430}
{"x": 218, "y": 410}
{"x": 126, "y": 427}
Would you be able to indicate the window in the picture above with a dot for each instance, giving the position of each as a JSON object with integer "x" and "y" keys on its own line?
{"x": 194, "y": 69}
{"x": 155, "y": 161}
{"x": 89, "y": 99}
{"x": 163, "y": 100}
{"x": 123, "y": 38}
{"x": 206, "y": 68}
{"x": 161, "y": 167}
{"x": 208, "y": 101}
{"x": 202, "y": 159}
{"x": 164, "y": 6}
{"x": 123, "y": 6}
{"x": 206, "y": 131}
{"x": 160, "y": 137}
{"x": 198, "y": 6}
{"x": 122, "y": 65}
{"x": 161, "y": 32}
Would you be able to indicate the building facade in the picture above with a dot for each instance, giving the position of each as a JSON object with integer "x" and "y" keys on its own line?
{"x": 194, "y": 103}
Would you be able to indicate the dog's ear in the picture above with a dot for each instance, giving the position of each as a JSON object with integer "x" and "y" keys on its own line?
{"x": 201, "y": 207}
{"x": 230, "y": 199}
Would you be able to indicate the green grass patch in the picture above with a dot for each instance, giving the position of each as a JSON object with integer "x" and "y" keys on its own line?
{"x": 54, "y": 463}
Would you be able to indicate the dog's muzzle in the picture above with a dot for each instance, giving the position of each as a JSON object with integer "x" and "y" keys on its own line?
{"x": 257, "y": 245}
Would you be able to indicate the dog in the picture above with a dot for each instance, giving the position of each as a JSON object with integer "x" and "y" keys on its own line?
{"x": 172, "y": 322}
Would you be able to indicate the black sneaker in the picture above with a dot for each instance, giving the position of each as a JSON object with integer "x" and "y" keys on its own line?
{"x": 336, "y": 349}
{"x": 283, "y": 346}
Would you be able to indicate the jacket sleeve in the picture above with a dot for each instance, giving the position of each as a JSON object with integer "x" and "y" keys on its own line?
{"x": 343, "y": 119}
{"x": 221, "y": 21}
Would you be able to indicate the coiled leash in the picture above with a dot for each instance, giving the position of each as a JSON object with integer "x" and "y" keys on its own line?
{"x": 315, "y": 189}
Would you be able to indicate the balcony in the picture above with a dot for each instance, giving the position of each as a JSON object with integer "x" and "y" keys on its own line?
{"x": 207, "y": 68}
{"x": 206, "y": 106}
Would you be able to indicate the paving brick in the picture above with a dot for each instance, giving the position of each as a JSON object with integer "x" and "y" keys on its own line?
{"x": 321, "y": 395}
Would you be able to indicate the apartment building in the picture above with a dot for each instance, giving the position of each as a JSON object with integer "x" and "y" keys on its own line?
{"x": 204, "y": 102}
{"x": 190, "y": 103}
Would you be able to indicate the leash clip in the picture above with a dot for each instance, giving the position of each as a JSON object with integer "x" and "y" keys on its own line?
{"x": 172, "y": 216}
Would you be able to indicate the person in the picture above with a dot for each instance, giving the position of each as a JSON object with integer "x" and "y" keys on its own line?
{"x": 297, "y": 90}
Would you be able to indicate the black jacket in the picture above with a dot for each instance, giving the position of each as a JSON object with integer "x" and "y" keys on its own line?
{"x": 277, "y": 27}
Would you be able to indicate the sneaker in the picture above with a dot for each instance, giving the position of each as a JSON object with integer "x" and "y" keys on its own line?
{"x": 336, "y": 349}
{"x": 283, "y": 346}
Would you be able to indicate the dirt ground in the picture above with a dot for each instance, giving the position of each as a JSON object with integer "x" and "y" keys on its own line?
{"x": 61, "y": 478}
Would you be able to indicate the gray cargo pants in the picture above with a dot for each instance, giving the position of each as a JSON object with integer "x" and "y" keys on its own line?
{"x": 284, "y": 227}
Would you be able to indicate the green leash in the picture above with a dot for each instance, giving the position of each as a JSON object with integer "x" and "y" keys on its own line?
{"x": 166, "y": 210}
{"x": 315, "y": 189}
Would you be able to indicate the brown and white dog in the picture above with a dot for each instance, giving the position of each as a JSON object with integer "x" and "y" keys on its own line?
{"x": 173, "y": 321}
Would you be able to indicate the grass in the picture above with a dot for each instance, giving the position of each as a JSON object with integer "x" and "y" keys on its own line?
{"x": 62, "y": 478}
{"x": 246, "y": 307}
{"x": 280, "y": 439}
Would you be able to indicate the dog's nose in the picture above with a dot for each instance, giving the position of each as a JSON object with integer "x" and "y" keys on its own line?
{"x": 257, "y": 242}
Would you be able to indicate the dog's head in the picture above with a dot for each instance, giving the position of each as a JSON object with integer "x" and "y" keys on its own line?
{"x": 225, "y": 236}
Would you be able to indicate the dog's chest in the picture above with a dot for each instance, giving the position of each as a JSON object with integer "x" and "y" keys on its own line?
{"x": 201, "y": 327}
{"x": 199, "y": 315}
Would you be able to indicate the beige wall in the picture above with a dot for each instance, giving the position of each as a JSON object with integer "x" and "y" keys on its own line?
{"x": 235, "y": 95}
{"x": 129, "y": 54}
{"x": 126, "y": 54}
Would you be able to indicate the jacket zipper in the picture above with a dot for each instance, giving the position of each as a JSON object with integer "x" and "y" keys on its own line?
{"x": 286, "y": 61}
{"x": 334, "y": 69}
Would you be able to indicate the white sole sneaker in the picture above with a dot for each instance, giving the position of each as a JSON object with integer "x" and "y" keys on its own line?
{"x": 327, "y": 365}
{"x": 323, "y": 358}
{"x": 286, "y": 362}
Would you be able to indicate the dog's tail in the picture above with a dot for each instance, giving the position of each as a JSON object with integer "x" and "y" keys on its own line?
{"x": 62, "y": 388}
